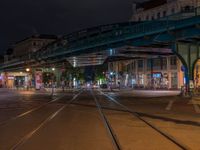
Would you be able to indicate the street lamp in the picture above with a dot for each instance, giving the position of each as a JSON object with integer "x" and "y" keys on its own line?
{"x": 27, "y": 69}
{"x": 53, "y": 69}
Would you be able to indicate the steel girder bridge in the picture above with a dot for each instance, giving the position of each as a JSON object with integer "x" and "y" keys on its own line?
{"x": 177, "y": 34}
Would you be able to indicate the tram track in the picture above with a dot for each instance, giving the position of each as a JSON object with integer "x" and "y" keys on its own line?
{"x": 42, "y": 124}
{"x": 155, "y": 128}
{"x": 152, "y": 116}
{"x": 107, "y": 107}
{"x": 107, "y": 125}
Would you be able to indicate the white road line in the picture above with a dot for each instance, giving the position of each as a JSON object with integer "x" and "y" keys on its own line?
{"x": 196, "y": 107}
{"x": 169, "y": 106}
{"x": 28, "y": 136}
{"x": 51, "y": 117}
{"x": 30, "y": 111}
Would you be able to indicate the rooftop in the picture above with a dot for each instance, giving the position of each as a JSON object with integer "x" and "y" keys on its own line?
{"x": 151, "y": 4}
{"x": 39, "y": 36}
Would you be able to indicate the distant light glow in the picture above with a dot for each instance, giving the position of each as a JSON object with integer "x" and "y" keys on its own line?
{"x": 74, "y": 82}
{"x": 11, "y": 77}
{"x": 53, "y": 69}
{"x": 157, "y": 75}
{"x": 133, "y": 81}
{"x": 100, "y": 81}
{"x": 111, "y": 51}
{"x": 27, "y": 69}
{"x": 74, "y": 62}
{"x": 88, "y": 85}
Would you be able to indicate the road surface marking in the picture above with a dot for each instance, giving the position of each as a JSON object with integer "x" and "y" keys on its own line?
{"x": 23, "y": 140}
{"x": 169, "y": 106}
{"x": 137, "y": 115}
{"x": 196, "y": 106}
{"x": 194, "y": 101}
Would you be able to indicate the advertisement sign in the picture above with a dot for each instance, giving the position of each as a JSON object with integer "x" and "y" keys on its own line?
{"x": 157, "y": 75}
{"x": 11, "y": 77}
{"x": 38, "y": 80}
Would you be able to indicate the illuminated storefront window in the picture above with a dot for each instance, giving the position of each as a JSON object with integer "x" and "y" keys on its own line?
{"x": 174, "y": 80}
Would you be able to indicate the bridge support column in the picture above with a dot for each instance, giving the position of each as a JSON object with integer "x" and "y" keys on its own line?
{"x": 58, "y": 74}
{"x": 188, "y": 53}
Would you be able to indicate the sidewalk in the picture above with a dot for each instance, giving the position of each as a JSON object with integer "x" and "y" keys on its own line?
{"x": 34, "y": 91}
{"x": 143, "y": 93}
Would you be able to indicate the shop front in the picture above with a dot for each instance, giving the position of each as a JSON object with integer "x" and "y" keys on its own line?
{"x": 158, "y": 80}
{"x": 174, "y": 80}
{"x": 1, "y": 81}
{"x": 15, "y": 79}
{"x": 197, "y": 75}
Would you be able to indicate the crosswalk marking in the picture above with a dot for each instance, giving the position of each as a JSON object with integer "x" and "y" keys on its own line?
{"x": 196, "y": 105}
{"x": 169, "y": 106}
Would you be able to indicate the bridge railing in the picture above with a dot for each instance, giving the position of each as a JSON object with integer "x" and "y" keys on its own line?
{"x": 90, "y": 38}
{"x": 108, "y": 34}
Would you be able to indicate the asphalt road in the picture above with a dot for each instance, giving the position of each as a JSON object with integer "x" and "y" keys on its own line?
{"x": 97, "y": 120}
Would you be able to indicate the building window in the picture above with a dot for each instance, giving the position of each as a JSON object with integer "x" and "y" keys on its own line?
{"x": 140, "y": 64}
{"x": 149, "y": 64}
{"x": 174, "y": 80}
{"x": 164, "y": 13}
{"x": 158, "y": 15}
{"x": 173, "y": 11}
{"x": 34, "y": 43}
{"x": 147, "y": 17}
{"x": 173, "y": 61}
{"x": 163, "y": 63}
{"x": 129, "y": 68}
{"x": 133, "y": 65}
{"x": 187, "y": 9}
{"x": 157, "y": 64}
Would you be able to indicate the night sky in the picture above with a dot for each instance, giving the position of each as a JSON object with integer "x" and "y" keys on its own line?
{"x": 22, "y": 18}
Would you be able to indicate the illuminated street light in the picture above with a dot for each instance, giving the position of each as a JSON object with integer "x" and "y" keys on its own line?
{"x": 27, "y": 69}
{"x": 53, "y": 69}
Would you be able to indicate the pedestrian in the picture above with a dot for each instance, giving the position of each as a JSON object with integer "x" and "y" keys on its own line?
{"x": 119, "y": 84}
{"x": 53, "y": 86}
{"x": 63, "y": 85}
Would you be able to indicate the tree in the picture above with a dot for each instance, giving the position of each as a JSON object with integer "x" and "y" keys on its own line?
{"x": 100, "y": 72}
{"x": 72, "y": 72}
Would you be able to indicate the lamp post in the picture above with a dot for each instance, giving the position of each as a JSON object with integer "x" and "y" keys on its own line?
{"x": 27, "y": 69}
{"x": 53, "y": 82}
{"x": 28, "y": 82}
